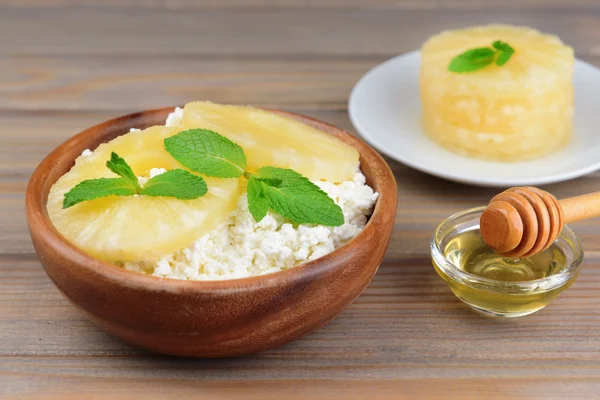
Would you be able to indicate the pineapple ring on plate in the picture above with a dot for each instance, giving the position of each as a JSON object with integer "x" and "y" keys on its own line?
{"x": 134, "y": 228}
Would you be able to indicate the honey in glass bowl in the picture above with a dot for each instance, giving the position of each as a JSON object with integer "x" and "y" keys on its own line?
{"x": 499, "y": 286}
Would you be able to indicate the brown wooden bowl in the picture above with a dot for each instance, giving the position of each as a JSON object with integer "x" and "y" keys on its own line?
{"x": 207, "y": 318}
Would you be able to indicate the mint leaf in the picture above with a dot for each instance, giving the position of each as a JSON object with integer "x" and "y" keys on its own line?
{"x": 270, "y": 181}
{"x": 96, "y": 188}
{"x": 502, "y": 46}
{"x": 176, "y": 183}
{"x": 207, "y": 152}
{"x": 505, "y": 52}
{"x": 118, "y": 165}
{"x": 475, "y": 59}
{"x": 472, "y": 60}
{"x": 297, "y": 198}
{"x": 258, "y": 203}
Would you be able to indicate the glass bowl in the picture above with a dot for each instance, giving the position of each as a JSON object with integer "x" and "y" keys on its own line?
{"x": 514, "y": 298}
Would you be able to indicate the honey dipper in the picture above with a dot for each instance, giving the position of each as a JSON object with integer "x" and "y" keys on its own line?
{"x": 523, "y": 221}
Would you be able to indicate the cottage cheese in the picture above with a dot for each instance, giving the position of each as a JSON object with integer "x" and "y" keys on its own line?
{"x": 153, "y": 172}
{"x": 241, "y": 247}
{"x": 174, "y": 118}
{"x": 87, "y": 153}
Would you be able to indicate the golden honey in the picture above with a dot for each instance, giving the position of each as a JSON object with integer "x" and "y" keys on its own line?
{"x": 496, "y": 285}
{"x": 469, "y": 253}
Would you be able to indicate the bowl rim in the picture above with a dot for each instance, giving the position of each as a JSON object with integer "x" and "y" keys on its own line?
{"x": 40, "y": 223}
{"x": 492, "y": 285}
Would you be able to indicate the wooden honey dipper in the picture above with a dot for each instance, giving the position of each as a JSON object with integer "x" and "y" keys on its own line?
{"x": 523, "y": 221}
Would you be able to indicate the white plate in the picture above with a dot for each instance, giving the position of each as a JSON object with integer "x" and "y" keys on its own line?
{"x": 385, "y": 109}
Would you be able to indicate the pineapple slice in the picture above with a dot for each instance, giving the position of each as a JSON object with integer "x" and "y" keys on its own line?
{"x": 271, "y": 139}
{"x": 521, "y": 110}
{"x": 118, "y": 229}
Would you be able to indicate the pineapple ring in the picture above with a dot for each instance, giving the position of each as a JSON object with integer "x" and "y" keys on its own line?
{"x": 272, "y": 139}
{"x": 117, "y": 229}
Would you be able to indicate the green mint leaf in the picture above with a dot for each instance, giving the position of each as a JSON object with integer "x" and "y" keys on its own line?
{"x": 176, "y": 183}
{"x": 472, "y": 60}
{"x": 297, "y": 198}
{"x": 505, "y": 52}
{"x": 258, "y": 203}
{"x": 118, "y": 165}
{"x": 207, "y": 152}
{"x": 270, "y": 181}
{"x": 95, "y": 188}
{"x": 502, "y": 46}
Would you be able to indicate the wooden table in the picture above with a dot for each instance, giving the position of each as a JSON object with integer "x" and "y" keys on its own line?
{"x": 68, "y": 64}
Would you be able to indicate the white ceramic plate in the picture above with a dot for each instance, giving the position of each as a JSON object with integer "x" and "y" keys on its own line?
{"x": 385, "y": 109}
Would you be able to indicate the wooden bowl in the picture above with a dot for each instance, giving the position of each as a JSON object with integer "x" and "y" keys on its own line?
{"x": 207, "y": 318}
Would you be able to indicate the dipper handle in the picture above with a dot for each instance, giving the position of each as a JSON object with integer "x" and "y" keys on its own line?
{"x": 523, "y": 221}
{"x": 581, "y": 207}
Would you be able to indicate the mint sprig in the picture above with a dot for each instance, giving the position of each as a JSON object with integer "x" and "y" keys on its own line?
{"x": 505, "y": 52}
{"x": 480, "y": 57}
{"x": 118, "y": 165}
{"x": 296, "y": 198}
{"x": 258, "y": 202}
{"x": 95, "y": 188}
{"x": 285, "y": 191}
{"x": 207, "y": 152}
{"x": 174, "y": 183}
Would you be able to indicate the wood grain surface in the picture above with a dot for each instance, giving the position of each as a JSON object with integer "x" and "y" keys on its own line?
{"x": 68, "y": 64}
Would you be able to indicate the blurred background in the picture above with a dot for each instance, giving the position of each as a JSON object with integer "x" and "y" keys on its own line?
{"x": 116, "y": 56}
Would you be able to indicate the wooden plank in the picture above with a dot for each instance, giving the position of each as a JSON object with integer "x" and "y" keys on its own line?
{"x": 136, "y": 83}
{"x": 55, "y": 83}
{"x": 265, "y": 32}
{"x": 406, "y": 318}
{"x": 406, "y": 327}
{"x": 318, "y": 4}
{"x": 90, "y": 388}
